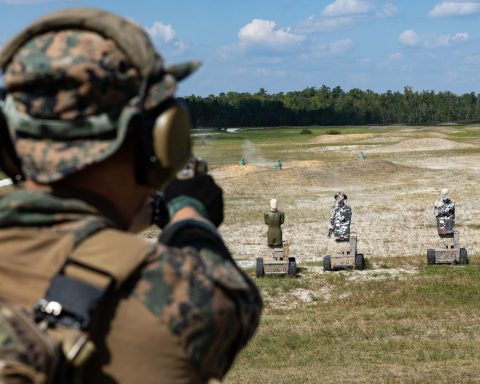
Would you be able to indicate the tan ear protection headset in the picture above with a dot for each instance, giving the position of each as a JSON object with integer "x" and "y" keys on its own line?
{"x": 165, "y": 132}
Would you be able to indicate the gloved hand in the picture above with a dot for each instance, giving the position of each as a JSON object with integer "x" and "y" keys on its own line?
{"x": 200, "y": 192}
{"x": 159, "y": 210}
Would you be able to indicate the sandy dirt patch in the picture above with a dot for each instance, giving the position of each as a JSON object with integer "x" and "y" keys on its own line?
{"x": 303, "y": 164}
{"x": 326, "y": 139}
{"x": 416, "y": 145}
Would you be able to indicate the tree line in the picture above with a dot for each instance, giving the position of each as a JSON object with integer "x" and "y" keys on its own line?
{"x": 331, "y": 106}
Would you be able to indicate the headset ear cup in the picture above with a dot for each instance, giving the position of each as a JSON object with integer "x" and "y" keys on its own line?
{"x": 9, "y": 161}
{"x": 171, "y": 137}
{"x": 164, "y": 144}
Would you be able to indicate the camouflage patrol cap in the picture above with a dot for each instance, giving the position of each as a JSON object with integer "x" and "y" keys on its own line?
{"x": 72, "y": 91}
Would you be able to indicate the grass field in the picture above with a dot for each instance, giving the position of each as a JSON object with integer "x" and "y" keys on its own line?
{"x": 397, "y": 322}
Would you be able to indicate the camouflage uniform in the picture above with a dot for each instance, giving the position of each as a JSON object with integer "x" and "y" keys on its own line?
{"x": 340, "y": 218}
{"x": 444, "y": 211}
{"x": 186, "y": 313}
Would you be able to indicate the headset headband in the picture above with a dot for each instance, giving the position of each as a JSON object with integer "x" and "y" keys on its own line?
{"x": 130, "y": 38}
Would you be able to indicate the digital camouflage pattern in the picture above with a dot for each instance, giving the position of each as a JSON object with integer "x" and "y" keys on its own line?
{"x": 444, "y": 211}
{"x": 82, "y": 78}
{"x": 69, "y": 75}
{"x": 340, "y": 218}
{"x": 206, "y": 301}
{"x": 36, "y": 208}
{"x": 201, "y": 295}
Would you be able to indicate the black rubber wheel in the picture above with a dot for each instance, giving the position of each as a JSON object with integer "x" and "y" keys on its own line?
{"x": 327, "y": 264}
{"x": 292, "y": 266}
{"x": 260, "y": 270}
{"x": 430, "y": 256}
{"x": 463, "y": 259}
{"x": 359, "y": 262}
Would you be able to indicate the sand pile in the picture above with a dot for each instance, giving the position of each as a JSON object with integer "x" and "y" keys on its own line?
{"x": 234, "y": 170}
{"x": 353, "y": 169}
{"x": 374, "y": 165}
{"x": 327, "y": 139}
{"x": 420, "y": 145}
{"x": 304, "y": 164}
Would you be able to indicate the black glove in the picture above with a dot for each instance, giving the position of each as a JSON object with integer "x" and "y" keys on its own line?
{"x": 160, "y": 215}
{"x": 201, "y": 188}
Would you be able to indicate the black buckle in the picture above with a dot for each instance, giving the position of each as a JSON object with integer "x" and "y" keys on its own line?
{"x": 71, "y": 302}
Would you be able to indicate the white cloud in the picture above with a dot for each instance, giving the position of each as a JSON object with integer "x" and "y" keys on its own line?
{"x": 161, "y": 32}
{"x": 450, "y": 8}
{"x": 164, "y": 37}
{"x": 264, "y": 35}
{"x": 410, "y": 38}
{"x": 388, "y": 10}
{"x": 447, "y": 40}
{"x": 266, "y": 32}
{"x": 346, "y": 13}
{"x": 461, "y": 36}
{"x": 347, "y": 8}
{"x": 397, "y": 56}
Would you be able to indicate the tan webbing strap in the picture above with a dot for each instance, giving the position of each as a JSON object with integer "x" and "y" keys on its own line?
{"x": 118, "y": 253}
{"x": 130, "y": 37}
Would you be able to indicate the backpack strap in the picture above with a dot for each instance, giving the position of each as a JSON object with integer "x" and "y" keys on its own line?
{"x": 96, "y": 268}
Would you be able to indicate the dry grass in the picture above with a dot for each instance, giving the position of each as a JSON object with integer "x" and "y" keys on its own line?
{"x": 391, "y": 193}
{"x": 389, "y": 325}
{"x": 399, "y": 321}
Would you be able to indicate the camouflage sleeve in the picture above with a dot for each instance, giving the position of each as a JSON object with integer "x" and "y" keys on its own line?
{"x": 265, "y": 218}
{"x": 282, "y": 217}
{"x": 205, "y": 300}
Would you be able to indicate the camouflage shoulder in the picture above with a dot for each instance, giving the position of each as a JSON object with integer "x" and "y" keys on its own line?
{"x": 205, "y": 300}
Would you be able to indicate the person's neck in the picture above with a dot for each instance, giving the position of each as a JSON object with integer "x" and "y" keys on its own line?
{"x": 120, "y": 197}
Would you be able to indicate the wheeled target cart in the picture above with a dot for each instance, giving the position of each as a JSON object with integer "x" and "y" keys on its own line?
{"x": 279, "y": 264}
{"x": 347, "y": 257}
{"x": 451, "y": 253}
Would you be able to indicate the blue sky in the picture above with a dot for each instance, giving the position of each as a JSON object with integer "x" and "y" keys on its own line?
{"x": 285, "y": 45}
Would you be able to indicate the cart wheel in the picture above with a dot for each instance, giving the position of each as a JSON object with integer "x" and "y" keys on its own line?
{"x": 260, "y": 270}
{"x": 292, "y": 266}
{"x": 359, "y": 262}
{"x": 463, "y": 256}
{"x": 430, "y": 256}
{"x": 327, "y": 264}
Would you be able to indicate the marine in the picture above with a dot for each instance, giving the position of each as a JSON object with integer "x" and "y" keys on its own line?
{"x": 95, "y": 129}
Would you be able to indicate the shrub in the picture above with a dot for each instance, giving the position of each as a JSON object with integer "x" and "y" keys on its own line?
{"x": 333, "y": 132}
{"x": 305, "y": 131}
